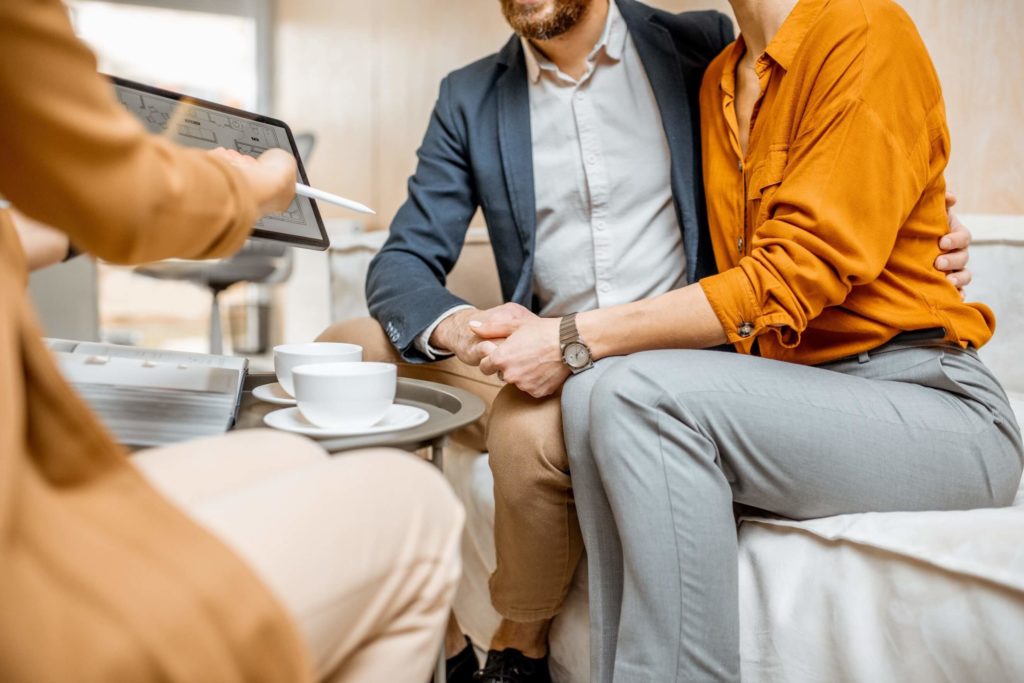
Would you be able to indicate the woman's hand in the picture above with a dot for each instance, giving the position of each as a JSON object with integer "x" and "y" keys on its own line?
{"x": 271, "y": 176}
{"x": 43, "y": 246}
{"x": 529, "y": 357}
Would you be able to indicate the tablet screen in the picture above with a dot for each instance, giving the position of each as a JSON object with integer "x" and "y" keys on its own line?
{"x": 194, "y": 123}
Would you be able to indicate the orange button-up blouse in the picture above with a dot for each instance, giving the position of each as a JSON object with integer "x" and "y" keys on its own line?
{"x": 825, "y": 235}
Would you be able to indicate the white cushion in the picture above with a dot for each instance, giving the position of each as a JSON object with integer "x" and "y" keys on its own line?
{"x": 886, "y": 598}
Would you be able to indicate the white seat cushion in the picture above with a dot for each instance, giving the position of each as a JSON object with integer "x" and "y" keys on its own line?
{"x": 871, "y": 597}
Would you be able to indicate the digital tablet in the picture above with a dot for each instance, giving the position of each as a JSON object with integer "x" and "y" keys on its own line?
{"x": 193, "y": 122}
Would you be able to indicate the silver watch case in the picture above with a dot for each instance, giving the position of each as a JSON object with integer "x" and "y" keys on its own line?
{"x": 576, "y": 356}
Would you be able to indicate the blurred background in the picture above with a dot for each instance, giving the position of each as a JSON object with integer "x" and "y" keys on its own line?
{"x": 362, "y": 77}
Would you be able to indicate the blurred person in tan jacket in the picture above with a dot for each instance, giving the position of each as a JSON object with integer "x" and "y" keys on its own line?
{"x": 252, "y": 557}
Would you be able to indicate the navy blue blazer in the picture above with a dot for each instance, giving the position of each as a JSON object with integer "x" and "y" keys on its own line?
{"x": 478, "y": 152}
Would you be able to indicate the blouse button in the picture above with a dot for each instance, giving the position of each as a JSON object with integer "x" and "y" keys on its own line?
{"x": 746, "y": 329}
{"x": 739, "y": 245}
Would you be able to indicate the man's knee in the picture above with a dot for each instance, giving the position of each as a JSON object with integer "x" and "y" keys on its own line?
{"x": 524, "y": 439}
{"x": 365, "y": 332}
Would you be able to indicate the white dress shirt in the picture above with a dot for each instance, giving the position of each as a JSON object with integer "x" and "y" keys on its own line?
{"x": 607, "y": 230}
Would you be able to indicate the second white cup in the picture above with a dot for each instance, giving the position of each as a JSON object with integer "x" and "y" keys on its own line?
{"x": 289, "y": 356}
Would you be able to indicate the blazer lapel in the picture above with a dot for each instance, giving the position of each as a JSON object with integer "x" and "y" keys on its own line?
{"x": 516, "y": 143}
{"x": 665, "y": 72}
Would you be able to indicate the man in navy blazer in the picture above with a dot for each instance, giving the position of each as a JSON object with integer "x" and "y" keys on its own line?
{"x": 478, "y": 152}
{"x": 580, "y": 142}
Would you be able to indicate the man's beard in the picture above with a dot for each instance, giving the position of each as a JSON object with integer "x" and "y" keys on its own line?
{"x": 566, "y": 14}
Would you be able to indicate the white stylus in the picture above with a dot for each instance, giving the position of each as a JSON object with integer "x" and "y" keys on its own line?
{"x": 313, "y": 193}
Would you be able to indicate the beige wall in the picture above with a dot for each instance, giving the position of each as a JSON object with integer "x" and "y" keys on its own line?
{"x": 364, "y": 75}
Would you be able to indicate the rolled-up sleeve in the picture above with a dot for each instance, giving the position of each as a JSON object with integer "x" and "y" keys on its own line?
{"x": 847, "y": 185}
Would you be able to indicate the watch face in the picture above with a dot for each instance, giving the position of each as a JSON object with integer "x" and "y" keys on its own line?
{"x": 576, "y": 356}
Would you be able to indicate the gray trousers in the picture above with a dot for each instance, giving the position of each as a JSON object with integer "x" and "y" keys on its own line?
{"x": 661, "y": 444}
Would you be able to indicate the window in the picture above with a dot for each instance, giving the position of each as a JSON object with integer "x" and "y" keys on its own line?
{"x": 218, "y": 50}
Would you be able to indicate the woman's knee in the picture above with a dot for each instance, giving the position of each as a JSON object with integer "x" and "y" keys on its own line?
{"x": 630, "y": 401}
{"x": 576, "y": 395}
{"x": 646, "y": 380}
{"x": 413, "y": 486}
{"x": 633, "y": 382}
{"x": 192, "y": 472}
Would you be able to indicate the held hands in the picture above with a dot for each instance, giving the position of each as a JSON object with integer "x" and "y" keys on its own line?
{"x": 954, "y": 246}
{"x": 529, "y": 355}
{"x": 455, "y": 335}
{"x": 271, "y": 176}
{"x": 509, "y": 341}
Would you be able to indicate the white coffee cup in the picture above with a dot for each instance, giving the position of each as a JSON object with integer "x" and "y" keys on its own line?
{"x": 345, "y": 396}
{"x": 290, "y": 356}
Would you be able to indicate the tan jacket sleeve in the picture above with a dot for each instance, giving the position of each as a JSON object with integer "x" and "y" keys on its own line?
{"x": 75, "y": 159}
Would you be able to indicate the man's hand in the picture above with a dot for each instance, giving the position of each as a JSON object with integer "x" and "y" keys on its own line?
{"x": 954, "y": 246}
{"x": 271, "y": 176}
{"x": 455, "y": 335}
{"x": 530, "y": 357}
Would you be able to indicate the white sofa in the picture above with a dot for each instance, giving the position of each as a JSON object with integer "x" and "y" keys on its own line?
{"x": 873, "y": 597}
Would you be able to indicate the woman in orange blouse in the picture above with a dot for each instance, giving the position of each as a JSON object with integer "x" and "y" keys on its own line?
{"x": 856, "y": 386}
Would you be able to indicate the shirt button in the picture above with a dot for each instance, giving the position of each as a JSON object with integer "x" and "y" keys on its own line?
{"x": 746, "y": 329}
{"x": 600, "y": 225}
{"x": 739, "y": 245}
{"x": 580, "y": 97}
{"x": 592, "y": 160}
{"x": 605, "y": 287}
{"x": 739, "y": 165}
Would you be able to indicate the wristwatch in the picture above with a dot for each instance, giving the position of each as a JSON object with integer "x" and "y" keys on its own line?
{"x": 575, "y": 353}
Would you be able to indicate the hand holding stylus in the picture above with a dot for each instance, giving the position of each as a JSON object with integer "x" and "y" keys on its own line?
{"x": 301, "y": 189}
{"x": 271, "y": 176}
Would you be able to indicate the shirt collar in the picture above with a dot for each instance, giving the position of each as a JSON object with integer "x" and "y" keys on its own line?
{"x": 612, "y": 41}
{"x": 732, "y": 58}
{"x": 783, "y": 47}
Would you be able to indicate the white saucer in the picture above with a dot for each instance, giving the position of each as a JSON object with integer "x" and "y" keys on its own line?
{"x": 273, "y": 393}
{"x": 397, "y": 418}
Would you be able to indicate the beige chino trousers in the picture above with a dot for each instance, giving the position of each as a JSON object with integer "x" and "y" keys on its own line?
{"x": 361, "y": 549}
{"x": 536, "y": 532}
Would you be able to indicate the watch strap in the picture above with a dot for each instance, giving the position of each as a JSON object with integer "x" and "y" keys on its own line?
{"x": 567, "y": 332}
